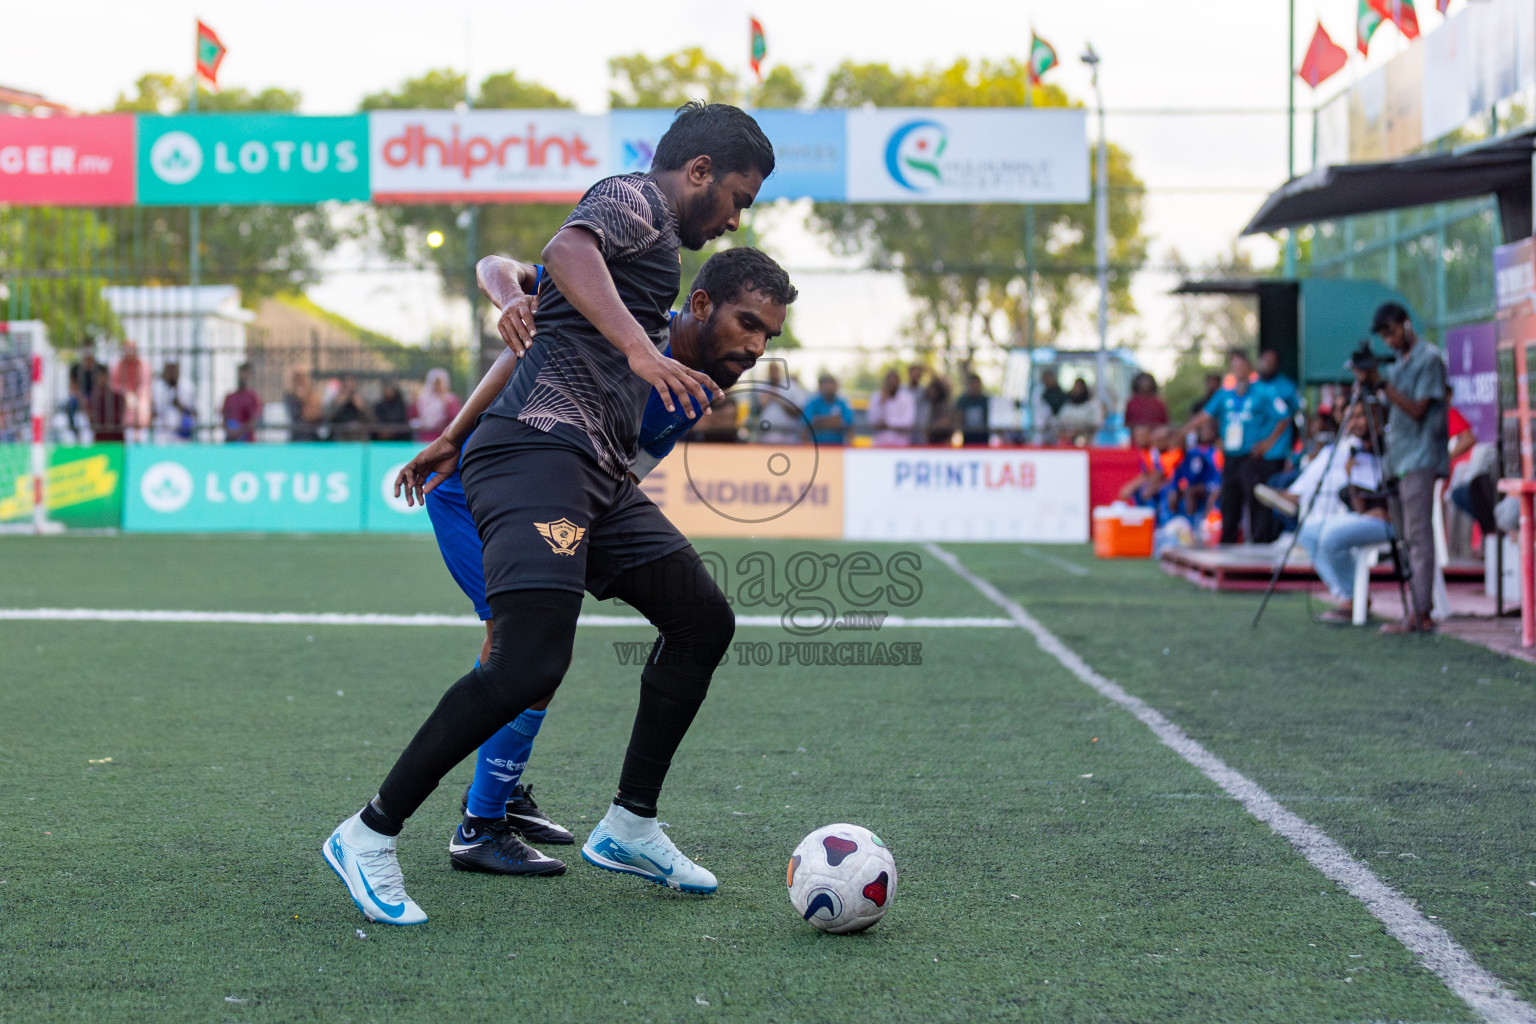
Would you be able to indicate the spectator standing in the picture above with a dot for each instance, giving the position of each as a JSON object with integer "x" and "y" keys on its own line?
{"x": 242, "y": 409}
{"x": 829, "y": 413}
{"x": 1049, "y": 402}
{"x": 174, "y": 419}
{"x": 941, "y": 412}
{"x": 973, "y": 409}
{"x": 131, "y": 379}
{"x": 436, "y": 406}
{"x": 1248, "y": 417}
{"x": 1079, "y": 417}
{"x": 1283, "y": 388}
{"x": 892, "y": 413}
{"x": 1145, "y": 408}
{"x": 778, "y": 410}
{"x": 1212, "y": 385}
{"x": 306, "y": 407}
{"x": 391, "y": 416}
{"x": 85, "y": 377}
{"x": 1417, "y": 452}
{"x": 349, "y": 415}
{"x": 921, "y": 410}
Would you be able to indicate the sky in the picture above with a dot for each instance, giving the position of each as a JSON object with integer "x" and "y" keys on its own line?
{"x": 1165, "y": 68}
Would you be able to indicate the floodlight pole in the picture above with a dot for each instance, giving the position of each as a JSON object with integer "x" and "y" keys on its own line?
{"x": 1290, "y": 131}
{"x": 1101, "y": 235}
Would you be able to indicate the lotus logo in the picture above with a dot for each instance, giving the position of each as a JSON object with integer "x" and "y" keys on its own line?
{"x": 912, "y": 155}
{"x": 387, "y": 490}
{"x": 166, "y": 487}
{"x": 176, "y": 158}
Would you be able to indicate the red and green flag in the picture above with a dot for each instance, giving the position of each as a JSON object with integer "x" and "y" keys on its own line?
{"x": 1367, "y": 20}
{"x": 1400, "y": 13}
{"x": 759, "y": 48}
{"x": 1325, "y": 58}
{"x": 1442, "y": 5}
{"x": 1042, "y": 57}
{"x": 210, "y": 54}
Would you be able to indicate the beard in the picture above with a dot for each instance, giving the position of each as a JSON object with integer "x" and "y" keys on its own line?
{"x": 690, "y": 231}
{"x": 719, "y": 367}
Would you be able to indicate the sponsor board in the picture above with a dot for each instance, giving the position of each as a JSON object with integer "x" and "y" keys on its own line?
{"x": 314, "y": 488}
{"x": 382, "y": 511}
{"x": 84, "y": 486}
{"x": 809, "y": 149}
{"x": 734, "y": 490}
{"x": 530, "y": 156}
{"x": 1472, "y": 369}
{"x": 943, "y": 155}
{"x": 200, "y": 159}
{"x": 67, "y": 161}
{"x": 975, "y": 494}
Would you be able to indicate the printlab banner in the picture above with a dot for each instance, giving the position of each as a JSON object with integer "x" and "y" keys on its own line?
{"x": 1472, "y": 369}
{"x": 965, "y": 494}
{"x": 297, "y": 488}
{"x": 67, "y": 161}
{"x": 492, "y": 156}
{"x": 944, "y": 155}
{"x": 252, "y": 158}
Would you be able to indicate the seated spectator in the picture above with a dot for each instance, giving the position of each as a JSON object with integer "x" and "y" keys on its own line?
{"x": 1144, "y": 407}
{"x": 974, "y": 410}
{"x": 1348, "y": 512}
{"x": 778, "y": 409}
{"x": 1049, "y": 401}
{"x": 719, "y": 424}
{"x": 922, "y": 411}
{"x": 1159, "y": 460}
{"x": 132, "y": 379}
{"x": 305, "y": 405}
{"x": 241, "y": 412}
{"x": 349, "y": 416}
{"x": 85, "y": 377}
{"x": 1196, "y": 480}
{"x": 941, "y": 412}
{"x": 391, "y": 416}
{"x": 829, "y": 413}
{"x": 436, "y": 406}
{"x": 1080, "y": 417}
{"x": 174, "y": 419}
{"x": 892, "y": 413}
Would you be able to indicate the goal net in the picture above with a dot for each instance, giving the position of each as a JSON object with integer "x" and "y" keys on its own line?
{"x": 23, "y": 414}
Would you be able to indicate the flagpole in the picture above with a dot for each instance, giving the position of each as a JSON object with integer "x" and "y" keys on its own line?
{"x": 194, "y": 260}
{"x": 1290, "y": 130}
{"x": 1029, "y": 225}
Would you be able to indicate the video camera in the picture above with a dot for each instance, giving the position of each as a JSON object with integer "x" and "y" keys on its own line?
{"x": 1365, "y": 360}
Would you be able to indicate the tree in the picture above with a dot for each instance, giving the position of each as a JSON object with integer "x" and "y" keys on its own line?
{"x": 782, "y": 89}
{"x": 1208, "y": 326}
{"x": 965, "y": 264}
{"x": 671, "y": 81}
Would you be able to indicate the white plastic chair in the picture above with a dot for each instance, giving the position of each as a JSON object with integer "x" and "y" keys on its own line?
{"x": 1365, "y": 560}
{"x": 1440, "y": 603}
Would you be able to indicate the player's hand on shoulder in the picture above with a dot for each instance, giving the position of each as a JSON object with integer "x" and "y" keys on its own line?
{"x": 673, "y": 381}
{"x": 516, "y": 323}
{"x": 417, "y": 480}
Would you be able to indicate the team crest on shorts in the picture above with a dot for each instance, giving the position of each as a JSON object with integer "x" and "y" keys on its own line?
{"x": 563, "y": 535}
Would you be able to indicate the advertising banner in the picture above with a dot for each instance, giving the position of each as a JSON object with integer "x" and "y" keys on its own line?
{"x": 733, "y": 490}
{"x": 200, "y": 159}
{"x": 295, "y": 488}
{"x": 84, "y": 487}
{"x": 934, "y": 155}
{"x": 974, "y": 494}
{"x": 809, "y": 149}
{"x": 1514, "y": 277}
{"x": 67, "y": 161}
{"x": 492, "y": 156}
{"x": 382, "y": 511}
{"x": 1472, "y": 369}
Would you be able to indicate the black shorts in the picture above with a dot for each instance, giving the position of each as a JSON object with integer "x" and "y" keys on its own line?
{"x": 550, "y": 518}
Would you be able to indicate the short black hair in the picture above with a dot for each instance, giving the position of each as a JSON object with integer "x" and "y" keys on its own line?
{"x": 1241, "y": 353}
{"x": 1388, "y": 314}
{"x": 727, "y": 135}
{"x": 729, "y": 272}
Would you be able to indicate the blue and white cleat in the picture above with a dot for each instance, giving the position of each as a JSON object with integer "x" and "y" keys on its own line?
{"x": 367, "y": 864}
{"x": 652, "y": 857}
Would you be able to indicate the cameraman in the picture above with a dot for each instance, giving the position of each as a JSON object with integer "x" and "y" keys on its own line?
{"x": 1417, "y": 440}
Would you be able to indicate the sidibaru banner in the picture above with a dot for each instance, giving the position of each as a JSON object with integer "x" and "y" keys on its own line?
{"x": 965, "y": 494}
{"x": 492, "y": 156}
{"x": 298, "y": 488}
{"x": 199, "y": 159}
{"x": 943, "y": 155}
{"x": 67, "y": 161}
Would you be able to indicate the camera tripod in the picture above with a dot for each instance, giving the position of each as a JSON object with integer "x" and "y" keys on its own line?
{"x": 1401, "y": 567}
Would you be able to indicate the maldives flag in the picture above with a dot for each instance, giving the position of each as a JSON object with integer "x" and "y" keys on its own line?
{"x": 210, "y": 54}
{"x": 1324, "y": 59}
{"x": 1042, "y": 57}
{"x": 1442, "y": 5}
{"x": 759, "y": 48}
{"x": 1367, "y": 21}
{"x": 1399, "y": 13}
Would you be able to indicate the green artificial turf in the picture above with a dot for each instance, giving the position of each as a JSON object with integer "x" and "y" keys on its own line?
{"x": 1057, "y": 863}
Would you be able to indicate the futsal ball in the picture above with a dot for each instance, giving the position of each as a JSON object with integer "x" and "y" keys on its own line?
{"x": 842, "y": 878}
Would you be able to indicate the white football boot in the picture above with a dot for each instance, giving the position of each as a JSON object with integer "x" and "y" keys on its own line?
{"x": 628, "y": 844}
{"x": 366, "y": 862}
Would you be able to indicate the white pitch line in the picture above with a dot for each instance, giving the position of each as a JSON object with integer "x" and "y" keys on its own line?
{"x": 368, "y": 619}
{"x": 1432, "y": 945}
{"x": 1057, "y": 561}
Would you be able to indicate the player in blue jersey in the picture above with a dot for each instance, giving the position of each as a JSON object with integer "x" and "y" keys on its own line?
{"x": 736, "y": 305}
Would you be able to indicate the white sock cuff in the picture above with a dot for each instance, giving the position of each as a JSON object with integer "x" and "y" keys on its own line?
{"x": 626, "y": 824}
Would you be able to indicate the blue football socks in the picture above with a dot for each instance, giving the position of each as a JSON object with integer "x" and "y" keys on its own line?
{"x": 499, "y": 765}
